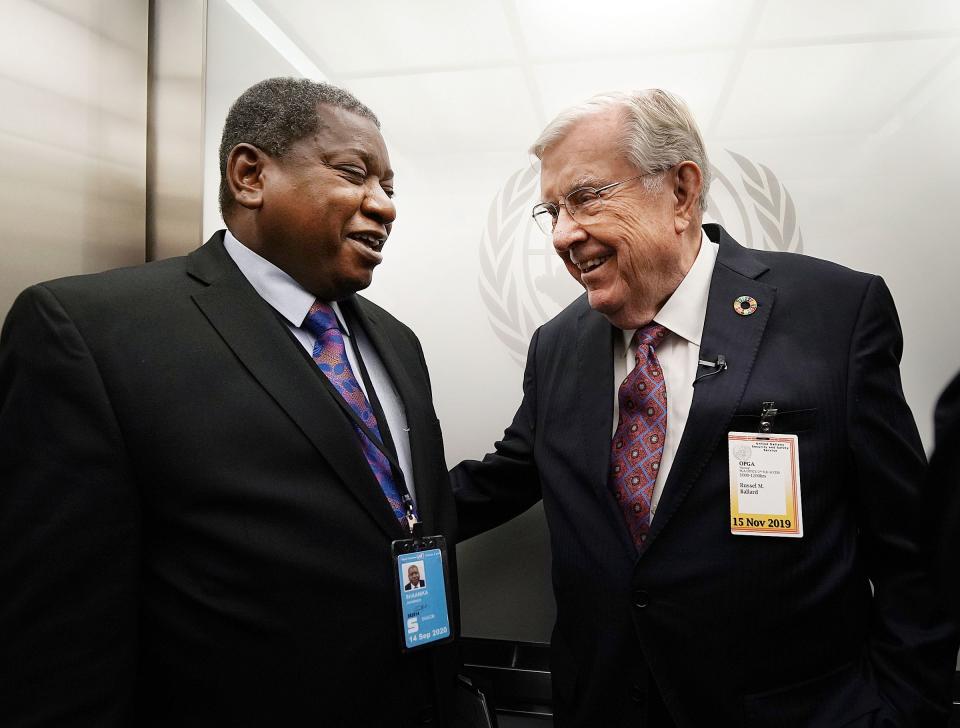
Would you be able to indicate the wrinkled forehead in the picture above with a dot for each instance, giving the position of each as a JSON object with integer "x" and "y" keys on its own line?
{"x": 346, "y": 133}
{"x": 587, "y": 154}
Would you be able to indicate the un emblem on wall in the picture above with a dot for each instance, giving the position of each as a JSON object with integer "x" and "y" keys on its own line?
{"x": 523, "y": 283}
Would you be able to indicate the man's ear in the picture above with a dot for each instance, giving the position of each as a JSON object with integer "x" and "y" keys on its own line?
{"x": 245, "y": 175}
{"x": 688, "y": 185}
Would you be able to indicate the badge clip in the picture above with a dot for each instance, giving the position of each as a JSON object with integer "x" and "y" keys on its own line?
{"x": 411, "y": 514}
{"x": 412, "y": 522}
{"x": 768, "y": 412}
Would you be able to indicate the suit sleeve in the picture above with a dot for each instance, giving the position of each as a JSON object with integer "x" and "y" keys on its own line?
{"x": 506, "y": 482}
{"x": 69, "y": 526}
{"x": 943, "y": 479}
{"x": 911, "y": 648}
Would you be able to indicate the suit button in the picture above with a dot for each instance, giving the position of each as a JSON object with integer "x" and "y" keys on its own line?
{"x": 640, "y": 599}
{"x": 637, "y": 694}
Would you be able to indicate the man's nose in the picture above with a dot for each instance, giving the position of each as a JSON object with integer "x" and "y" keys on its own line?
{"x": 566, "y": 232}
{"x": 378, "y": 205}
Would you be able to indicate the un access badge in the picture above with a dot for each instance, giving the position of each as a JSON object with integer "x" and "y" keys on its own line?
{"x": 421, "y": 578}
{"x": 765, "y": 493}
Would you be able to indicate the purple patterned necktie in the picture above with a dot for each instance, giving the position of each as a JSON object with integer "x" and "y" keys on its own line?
{"x": 637, "y": 445}
{"x": 330, "y": 354}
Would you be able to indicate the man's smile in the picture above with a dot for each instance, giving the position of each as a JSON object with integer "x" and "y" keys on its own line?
{"x": 592, "y": 264}
{"x": 372, "y": 240}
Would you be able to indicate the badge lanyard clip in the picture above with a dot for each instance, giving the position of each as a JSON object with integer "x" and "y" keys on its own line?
{"x": 413, "y": 522}
{"x": 768, "y": 412}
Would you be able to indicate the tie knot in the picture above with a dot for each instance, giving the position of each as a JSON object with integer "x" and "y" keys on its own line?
{"x": 320, "y": 318}
{"x": 650, "y": 335}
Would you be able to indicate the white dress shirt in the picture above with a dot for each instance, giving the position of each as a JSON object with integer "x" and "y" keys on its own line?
{"x": 293, "y": 302}
{"x": 679, "y": 353}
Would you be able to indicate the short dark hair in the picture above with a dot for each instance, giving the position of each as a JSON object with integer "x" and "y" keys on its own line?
{"x": 274, "y": 114}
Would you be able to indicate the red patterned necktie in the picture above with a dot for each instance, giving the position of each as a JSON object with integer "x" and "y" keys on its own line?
{"x": 330, "y": 354}
{"x": 637, "y": 445}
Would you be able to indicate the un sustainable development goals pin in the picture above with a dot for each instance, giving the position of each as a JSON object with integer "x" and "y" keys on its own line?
{"x": 745, "y": 305}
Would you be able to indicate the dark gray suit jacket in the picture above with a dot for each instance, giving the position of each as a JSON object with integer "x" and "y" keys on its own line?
{"x": 190, "y": 532}
{"x": 734, "y": 630}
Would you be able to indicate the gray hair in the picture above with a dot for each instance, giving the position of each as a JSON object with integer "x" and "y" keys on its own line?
{"x": 659, "y": 132}
{"x": 276, "y": 113}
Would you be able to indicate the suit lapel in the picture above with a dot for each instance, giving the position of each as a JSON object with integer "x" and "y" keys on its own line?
{"x": 413, "y": 397}
{"x": 595, "y": 385}
{"x": 716, "y": 398}
{"x": 258, "y": 339}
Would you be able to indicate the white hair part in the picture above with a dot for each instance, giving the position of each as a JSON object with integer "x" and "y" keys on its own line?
{"x": 659, "y": 132}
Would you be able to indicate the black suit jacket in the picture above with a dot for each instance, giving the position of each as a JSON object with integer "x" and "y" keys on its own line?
{"x": 191, "y": 534}
{"x": 944, "y": 480}
{"x": 734, "y": 630}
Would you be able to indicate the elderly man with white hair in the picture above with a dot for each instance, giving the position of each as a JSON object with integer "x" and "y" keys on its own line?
{"x": 731, "y": 476}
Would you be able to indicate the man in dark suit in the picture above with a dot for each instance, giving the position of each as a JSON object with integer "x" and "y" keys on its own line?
{"x": 944, "y": 479}
{"x": 665, "y": 616}
{"x": 196, "y": 518}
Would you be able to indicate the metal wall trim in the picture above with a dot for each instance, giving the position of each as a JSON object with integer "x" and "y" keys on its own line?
{"x": 175, "y": 118}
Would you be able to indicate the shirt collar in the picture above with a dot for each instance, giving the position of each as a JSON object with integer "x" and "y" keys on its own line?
{"x": 276, "y": 287}
{"x": 685, "y": 310}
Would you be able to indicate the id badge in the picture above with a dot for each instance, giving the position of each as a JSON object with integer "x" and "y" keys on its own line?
{"x": 420, "y": 580}
{"x": 765, "y": 497}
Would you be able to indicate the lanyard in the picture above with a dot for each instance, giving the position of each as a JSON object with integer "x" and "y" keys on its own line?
{"x": 385, "y": 443}
{"x": 388, "y": 451}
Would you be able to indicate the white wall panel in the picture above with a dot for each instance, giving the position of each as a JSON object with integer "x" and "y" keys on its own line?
{"x": 572, "y": 29}
{"x": 382, "y": 36}
{"x": 789, "y": 20}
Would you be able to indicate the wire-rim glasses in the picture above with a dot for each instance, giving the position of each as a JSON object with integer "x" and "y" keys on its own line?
{"x": 582, "y": 204}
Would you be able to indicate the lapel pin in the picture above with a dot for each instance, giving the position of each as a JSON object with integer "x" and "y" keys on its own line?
{"x": 745, "y": 305}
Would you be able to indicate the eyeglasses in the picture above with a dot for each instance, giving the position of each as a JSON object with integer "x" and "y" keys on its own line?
{"x": 584, "y": 204}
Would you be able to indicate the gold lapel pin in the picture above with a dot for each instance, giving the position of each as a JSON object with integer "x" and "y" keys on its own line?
{"x": 745, "y": 305}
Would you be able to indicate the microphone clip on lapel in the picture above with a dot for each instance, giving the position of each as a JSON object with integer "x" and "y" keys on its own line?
{"x": 716, "y": 366}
